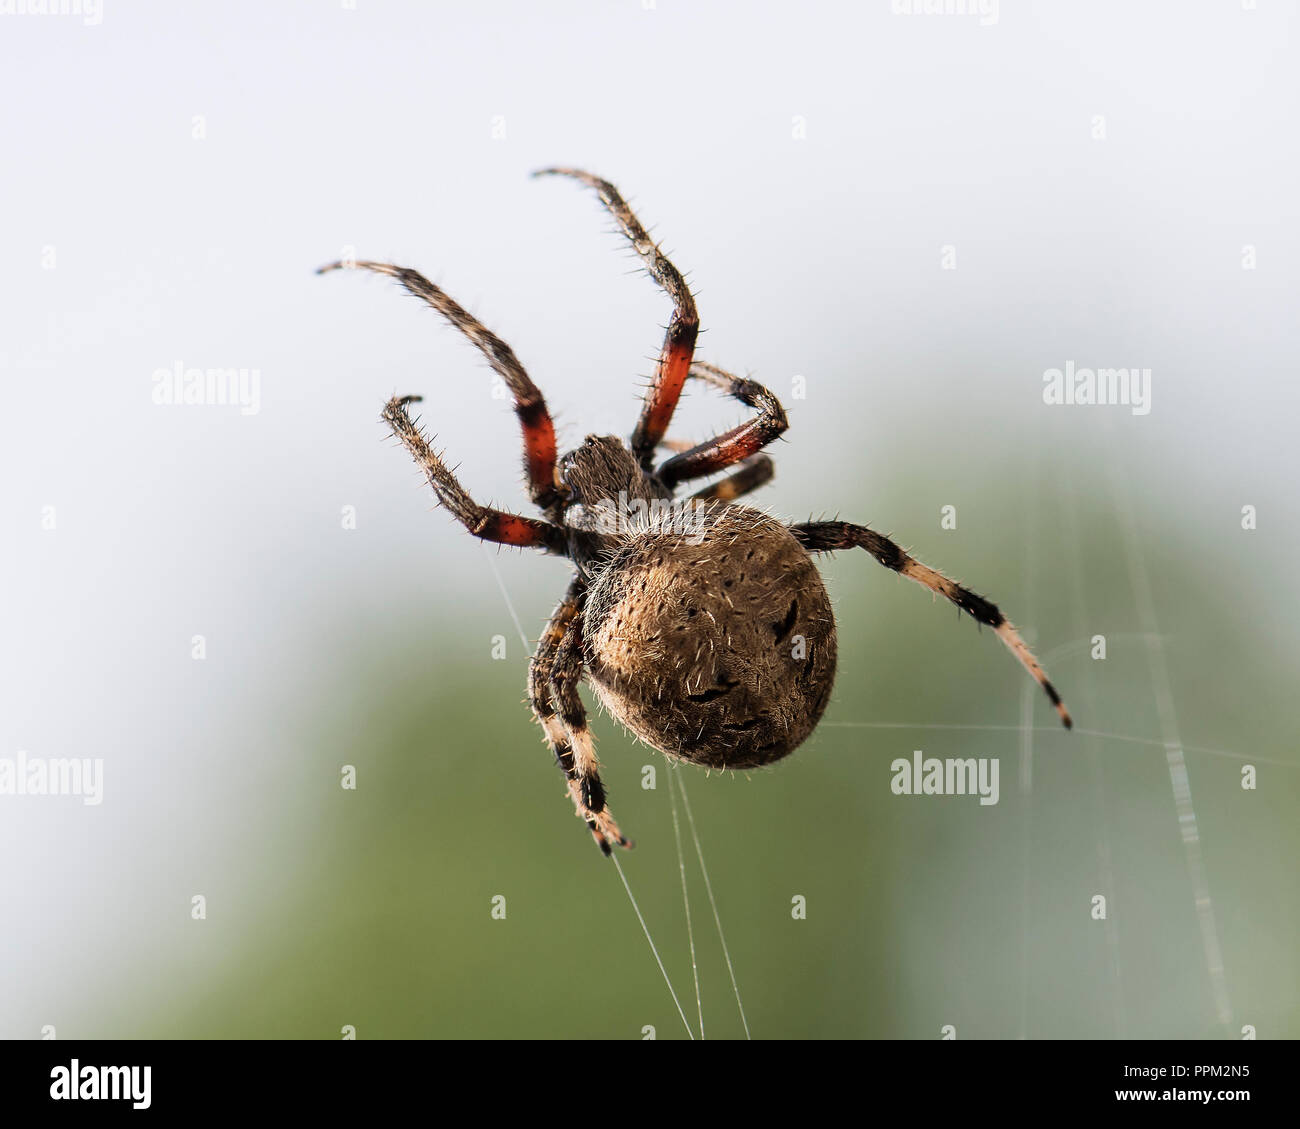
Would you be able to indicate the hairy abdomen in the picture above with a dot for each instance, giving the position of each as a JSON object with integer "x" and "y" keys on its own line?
{"x": 715, "y": 642}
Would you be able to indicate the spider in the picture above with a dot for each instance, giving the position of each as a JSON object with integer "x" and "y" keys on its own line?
{"x": 702, "y": 624}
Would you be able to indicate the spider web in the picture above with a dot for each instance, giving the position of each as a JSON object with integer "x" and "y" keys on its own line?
{"x": 1169, "y": 740}
{"x": 674, "y": 778}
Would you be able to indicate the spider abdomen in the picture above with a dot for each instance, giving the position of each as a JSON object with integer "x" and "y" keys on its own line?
{"x": 714, "y": 640}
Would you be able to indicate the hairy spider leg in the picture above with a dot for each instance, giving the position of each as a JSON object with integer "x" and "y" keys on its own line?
{"x": 755, "y": 471}
{"x": 484, "y": 522}
{"x": 732, "y": 446}
{"x": 530, "y": 406}
{"x": 553, "y": 677}
{"x": 827, "y": 536}
{"x": 679, "y": 339}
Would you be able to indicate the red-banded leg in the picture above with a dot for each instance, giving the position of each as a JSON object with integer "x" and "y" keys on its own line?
{"x": 679, "y": 341}
{"x": 530, "y": 407}
{"x": 755, "y": 471}
{"x": 732, "y": 446}
{"x": 482, "y": 521}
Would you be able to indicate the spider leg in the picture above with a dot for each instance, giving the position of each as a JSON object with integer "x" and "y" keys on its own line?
{"x": 827, "y": 536}
{"x": 755, "y": 471}
{"x": 676, "y": 445}
{"x": 482, "y": 521}
{"x": 679, "y": 340}
{"x": 553, "y": 678}
{"x": 539, "y": 687}
{"x": 530, "y": 407}
{"x": 731, "y": 446}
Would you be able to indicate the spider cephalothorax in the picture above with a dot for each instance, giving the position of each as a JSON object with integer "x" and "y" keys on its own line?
{"x": 702, "y": 624}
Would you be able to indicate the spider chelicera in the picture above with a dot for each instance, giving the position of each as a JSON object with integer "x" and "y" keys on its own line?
{"x": 703, "y": 625}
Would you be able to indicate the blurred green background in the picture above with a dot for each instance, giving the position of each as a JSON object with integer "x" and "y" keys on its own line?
{"x": 373, "y": 907}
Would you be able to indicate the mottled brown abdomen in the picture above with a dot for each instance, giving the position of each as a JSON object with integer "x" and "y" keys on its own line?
{"x": 716, "y": 645}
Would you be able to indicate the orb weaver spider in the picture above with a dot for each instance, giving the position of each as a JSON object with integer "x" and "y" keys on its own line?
{"x": 702, "y": 624}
